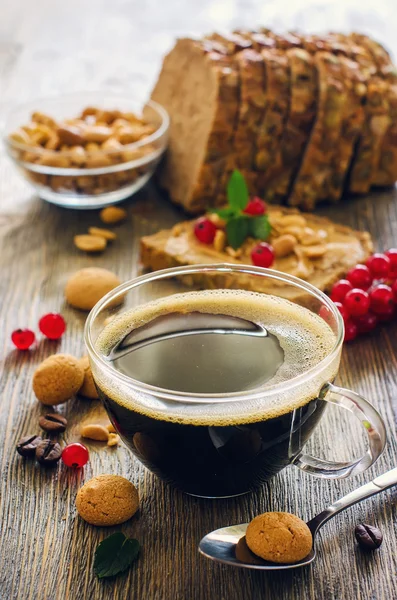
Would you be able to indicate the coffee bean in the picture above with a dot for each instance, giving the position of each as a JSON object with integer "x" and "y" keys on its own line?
{"x": 48, "y": 453}
{"x": 28, "y": 444}
{"x": 368, "y": 537}
{"x": 53, "y": 423}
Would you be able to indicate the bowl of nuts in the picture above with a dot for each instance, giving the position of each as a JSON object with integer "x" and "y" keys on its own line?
{"x": 87, "y": 150}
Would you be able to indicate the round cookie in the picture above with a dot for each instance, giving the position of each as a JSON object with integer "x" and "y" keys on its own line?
{"x": 87, "y": 286}
{"x": 88, "y": 389}
{"x": 107, "y": 500}
{"x": 57, "y": 379}
{"x": 279, "y": 537}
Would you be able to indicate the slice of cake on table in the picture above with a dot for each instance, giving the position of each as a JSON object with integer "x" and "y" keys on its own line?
{"x": 310, "y": 247}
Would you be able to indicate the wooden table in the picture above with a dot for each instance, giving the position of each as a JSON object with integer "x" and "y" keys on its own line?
{"x": 46, "y": 551}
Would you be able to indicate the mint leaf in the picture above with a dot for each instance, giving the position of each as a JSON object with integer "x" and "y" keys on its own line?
{"x": 237, "y": 191}
{"x": 237, "y": 230}
{"x": 115, "y": 554}
{"x": 225, "y": 213}
{"x": 259, "y": 227}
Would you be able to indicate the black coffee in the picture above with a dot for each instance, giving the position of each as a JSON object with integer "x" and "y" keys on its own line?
{"x": 212, "y": 343}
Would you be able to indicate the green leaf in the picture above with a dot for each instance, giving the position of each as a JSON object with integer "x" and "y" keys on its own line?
{"x": 259, "y": 227}
{"x": 225, "y": 213}
{"x": 237, "y": 230}
{"x": 237, "y": 191}
{"x": 115, "y": 554}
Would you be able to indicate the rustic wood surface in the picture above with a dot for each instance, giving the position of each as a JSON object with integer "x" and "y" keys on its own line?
{"x": 46, "y": 551}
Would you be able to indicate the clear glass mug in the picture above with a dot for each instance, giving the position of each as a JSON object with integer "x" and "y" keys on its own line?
{"x": 199, "y": 450}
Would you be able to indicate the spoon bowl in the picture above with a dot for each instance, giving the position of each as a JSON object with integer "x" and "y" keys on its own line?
{"x": 228, "y": 546}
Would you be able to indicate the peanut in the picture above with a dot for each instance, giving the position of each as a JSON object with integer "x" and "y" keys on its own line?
{"x": 92, "y": 147}
{"x": 20, "y": 136}
{"x": 220, "y": 240}
{"x": 128, "y": 135}
{"x": 111, "y": 428}
{"x": 53, "y": 143}
{"x": 107, "y": 116}
{"x": 97, "y": 134}
{"x": 309, "y": 237}
{"x": 284, "y": 245}
{"x": 113, "y": 439}
{"x": 77, "y": 155}
{"x": 90, "y": 243}
{"x": 105, "y": 233}
{"x": 128, "y": 155}
{"x": 314, "y": 251}
{"x": 120, "y": 123}
{"x": 112, "y": 144}
{"x": 39, "y": 117}
{"x": 89, "y": 111}
{"x": 292, "y": 230}
{"x": 71, "y": 135}
{"x": 53, "y": 159}
{"x": 112, "y": 214}
{"x": 95, "y": 431}
{"x": 98, "y": 160}
{"x": 232, "y": 252}
{"x": 292, "y": 220}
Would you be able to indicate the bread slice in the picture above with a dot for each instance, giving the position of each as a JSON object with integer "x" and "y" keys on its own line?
{"x": 368, "y": 152}
{"x": 333, "y": 251}
{"x": 234, "y": 45}
{"x": 199, "y": 88}
{"x": 301, "y": 117}
{"x": 315, "y": 173}
{"x": 269, "y": 157}
{"x": 385, "y": 174}
{"x": 252, "y": 109}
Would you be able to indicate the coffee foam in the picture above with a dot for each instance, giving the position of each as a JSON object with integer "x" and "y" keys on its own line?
{"x": 305, "y": 338}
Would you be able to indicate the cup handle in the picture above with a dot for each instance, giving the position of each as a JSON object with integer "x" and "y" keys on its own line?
{"x": 374, "y": 428}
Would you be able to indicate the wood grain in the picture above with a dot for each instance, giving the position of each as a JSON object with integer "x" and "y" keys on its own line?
{"x": 46, "y": 551}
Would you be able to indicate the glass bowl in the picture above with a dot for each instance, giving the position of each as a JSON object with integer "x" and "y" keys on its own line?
{"x": 113, "y": 175}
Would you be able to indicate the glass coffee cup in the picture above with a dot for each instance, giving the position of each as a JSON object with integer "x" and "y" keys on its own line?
{"x": 216, "y": 387}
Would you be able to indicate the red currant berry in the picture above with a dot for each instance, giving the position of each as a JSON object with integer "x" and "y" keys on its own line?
{"x": 205, "y": 230}
{"x": 381, "y": 297}
{"x": 392, "y": 256}
{"x": 23, "y": 338}
{"x": 388, "y": 314}
{"x": 340, "y": 289}
{"x": 75, "y": 455}
{"x": 394, "y": 290}
{"x": 262, "y": 255}
{"x": 360, "y": 277}
{"x": 255, "y": 207}
{"x": 379, "y": 265}
{"x": 366, "y": 323}
{"x": 343, "y": 311}
{"x": 356, "y": 302}
{"x": 52, "y": 326}
{"x": 351, "y": 331}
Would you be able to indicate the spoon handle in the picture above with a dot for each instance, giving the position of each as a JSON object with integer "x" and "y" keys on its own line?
{"x": 379, "y": 484}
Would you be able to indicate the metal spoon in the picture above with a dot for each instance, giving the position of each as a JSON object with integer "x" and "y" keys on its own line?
{"x": 228, "y": 546}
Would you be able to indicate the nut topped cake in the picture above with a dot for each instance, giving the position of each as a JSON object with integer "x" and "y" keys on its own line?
{"x": 307, "y": 246}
